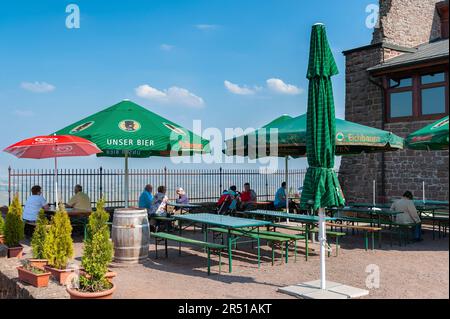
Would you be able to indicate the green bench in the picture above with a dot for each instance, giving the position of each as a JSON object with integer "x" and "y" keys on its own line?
{"x": 365, "y": 229}
{"x": 333, "y": 234}
{"x": 210, "y": 247}
{"x": 281, "y": 242}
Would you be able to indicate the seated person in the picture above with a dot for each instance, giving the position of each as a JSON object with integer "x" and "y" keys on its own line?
{"x": 79, "y": 201}
{"x": 159, "y": 204}
{"x": 182, "y": 197}
{"x": 248, "y": 198}
{"x": 146, "y": 198}
{"x": 280, "y": 199}
{"x": 34, "y": 204}
{"x": 409, "y": 213}
{"x": 228, "y": 201}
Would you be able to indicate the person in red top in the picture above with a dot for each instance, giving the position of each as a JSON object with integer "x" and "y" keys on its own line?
{"x": 248, "y": 198}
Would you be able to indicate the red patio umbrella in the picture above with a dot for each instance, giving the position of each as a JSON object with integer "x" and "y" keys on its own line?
{"x": 53, "y": 146}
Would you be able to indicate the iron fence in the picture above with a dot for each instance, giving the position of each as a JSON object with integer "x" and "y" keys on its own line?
{"x": 201, "y": 185}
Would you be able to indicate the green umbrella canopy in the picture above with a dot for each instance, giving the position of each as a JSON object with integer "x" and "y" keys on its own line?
{"x": 129, "y": 127}
{"x": 321, "y": 184}
{"x": 351, "y": 138}
{"x": 431, "y": 137}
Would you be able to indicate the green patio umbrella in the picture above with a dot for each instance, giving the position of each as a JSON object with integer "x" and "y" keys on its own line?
{"x": 130, "y": 130}
{"x": 351, "y": 138}
{"x": 431, "y": 137}
{"x": 321, "y": 184}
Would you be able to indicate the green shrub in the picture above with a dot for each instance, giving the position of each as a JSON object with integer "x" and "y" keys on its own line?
{"x": 97, "y": 253}
{"x": 14, "y": 226}
{"x": 38, "y": 239}
{"x": 58, "y": 245}
{"x": 2, "y": 225}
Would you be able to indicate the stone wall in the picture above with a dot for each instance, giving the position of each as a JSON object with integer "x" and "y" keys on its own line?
{"x": 407, "y": 23}
{"x": 12, "y": 288}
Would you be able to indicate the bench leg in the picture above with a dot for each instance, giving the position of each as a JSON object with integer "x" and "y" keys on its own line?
{"x": 259, "y": 253}
{"x": 329, "y": 243}
{"x": 286, "y": 247}
{"x": 273, "y": 254}
{"x": 165, "y": 247}
{"x": 156, "y": 248}
{"x": 209, "y": 260}
{"x": 295, "y": 251}
{"x": 220, "y": 261}
{"x": 306, "y": 243}
{"x": 337, "y": 246}
{"x": 366, "y": 241}
{"x": 373, "y": 240}
{"x": 230, "y": 259}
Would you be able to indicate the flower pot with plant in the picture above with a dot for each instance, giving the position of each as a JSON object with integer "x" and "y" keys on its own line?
{"x": 97, "y": 254}
{"x": 58, "y": 246}
{"x": 2, "y": 229}
{"x": 38, "y": 241}
{"x": 33, "y": 275}
{"x": 14, "y": 228}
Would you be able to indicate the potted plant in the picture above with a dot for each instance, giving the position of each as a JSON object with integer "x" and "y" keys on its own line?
{"x": 58, "y": 246}
{"x": 33, "y": 275}
{"x": 38, "y": 241}
{"x": 14, "y": 228}
{"x": 97, "y": 254}
{"x": 2, "y": 229}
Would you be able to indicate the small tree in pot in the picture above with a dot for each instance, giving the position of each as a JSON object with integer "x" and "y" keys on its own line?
{"x": 2, "y": 229}
{"x": 38, "y": 241}
{"x": 14, "y": 228}
{"x": 58, "y": 245}
{"x": 97, "y": 254}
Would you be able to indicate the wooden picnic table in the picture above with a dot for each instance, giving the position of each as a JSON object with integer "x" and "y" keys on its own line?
{"x": 183, "y": 207}
{"x": 228, "y": 222}
{"x": 369, "y": 210}
{"x": 77, "y": 217}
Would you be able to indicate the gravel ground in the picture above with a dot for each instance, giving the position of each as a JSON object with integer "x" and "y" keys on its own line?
{"x": 419, "y": 270}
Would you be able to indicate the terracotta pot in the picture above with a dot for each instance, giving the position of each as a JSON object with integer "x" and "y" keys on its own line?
{"x": 15, "y": 252}
{"x": 106, "y": 294}
{"x": 2, "y": 239}
{"x": 60, "y": 275}
{"x": 39, "y": 263}
{"x": 37, "y": 280}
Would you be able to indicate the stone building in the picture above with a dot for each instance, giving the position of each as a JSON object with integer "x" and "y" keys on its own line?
{"x": 399, "y": 83}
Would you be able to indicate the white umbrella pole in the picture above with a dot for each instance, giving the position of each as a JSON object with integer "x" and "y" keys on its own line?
{"x": 56, "y": 184}
{"x": 286, "y": 177}
{"x": 423, "y": 191}
{"x": 374, "y": 193}
{"x": 323, "y": 243}
{"x": 126, "y": 190}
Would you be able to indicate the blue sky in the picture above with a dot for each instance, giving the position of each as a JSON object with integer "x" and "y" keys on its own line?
{"x": 172, "y": 56}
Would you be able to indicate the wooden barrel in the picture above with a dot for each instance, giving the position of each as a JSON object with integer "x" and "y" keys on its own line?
{"x": 131, "y": 235}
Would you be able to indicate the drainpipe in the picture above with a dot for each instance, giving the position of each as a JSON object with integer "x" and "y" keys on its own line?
{"x": 383, "y": 116}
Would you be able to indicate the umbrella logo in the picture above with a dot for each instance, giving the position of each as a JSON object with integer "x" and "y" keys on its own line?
{"x": 63, "y": 149}
{"x": 340, "y": 136}
{"x": 175, "y": 129}
{"x": 130, "y": 125}
{"x": 45, "y": 140}
{"x": 82, "y": 127}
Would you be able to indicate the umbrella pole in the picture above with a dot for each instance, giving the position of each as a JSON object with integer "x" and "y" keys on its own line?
{"x": 286, "y": 178}
{"x": 126, "y": 191}
{"x": 374, "y": 193}
{"x": 423, "y": 191}
{"x": 323, "y": 242}
{"x": 56, "y": 184}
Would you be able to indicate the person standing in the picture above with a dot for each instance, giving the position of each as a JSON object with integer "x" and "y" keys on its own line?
{"x": 409, "y": 214}
{"x": 146, "y": 198}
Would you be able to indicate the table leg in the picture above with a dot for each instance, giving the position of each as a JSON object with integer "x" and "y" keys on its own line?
{"x": 306, "y": 241}
{"x": 230, "y": 259}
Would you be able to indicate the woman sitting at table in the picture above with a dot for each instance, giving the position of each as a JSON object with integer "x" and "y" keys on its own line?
{"x": 409, "y": 213}
{"x": 182, "y": 197}
{"x": 159, "y": 208}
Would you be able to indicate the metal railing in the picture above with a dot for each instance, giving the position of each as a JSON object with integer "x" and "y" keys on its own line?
{"x": 201, "y": 185}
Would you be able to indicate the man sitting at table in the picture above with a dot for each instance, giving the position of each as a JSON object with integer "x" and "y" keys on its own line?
{"x": 182, "y": 197}
{"x": 280, "y": 199}
{"x": 248, "y": 198}
{"x": 79, "y": 201}
{"x": 146, "y": 198}
{"x": 33, "y": 205}
{"x": 409, "y": 213}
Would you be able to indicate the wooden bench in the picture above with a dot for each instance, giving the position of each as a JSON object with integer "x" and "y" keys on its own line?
{"x": 210, "y": 247}
{"x": 275, "y": 241}
{"x": 365, "y": 229}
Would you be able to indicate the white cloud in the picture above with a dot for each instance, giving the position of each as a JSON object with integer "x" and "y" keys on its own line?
{"x": 166, "y": 47}
{"x": 278, "y": 86}
{"x": 239, "y": 90}
{"x": 206, "y": 27}
{"x": 173, "y": 95}
{"x": 23, "y": 113}
{"x": 37, "y": 87}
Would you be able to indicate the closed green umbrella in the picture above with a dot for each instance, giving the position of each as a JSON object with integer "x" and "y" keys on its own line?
{"x": 321, "y": 184}
{"x": 130, "y": 130}
{"x": 431, "y": 137}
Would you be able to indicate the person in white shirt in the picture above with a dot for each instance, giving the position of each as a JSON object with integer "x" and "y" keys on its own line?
{"x": 34, "y": 204}
{"x": 409, "y": 214}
